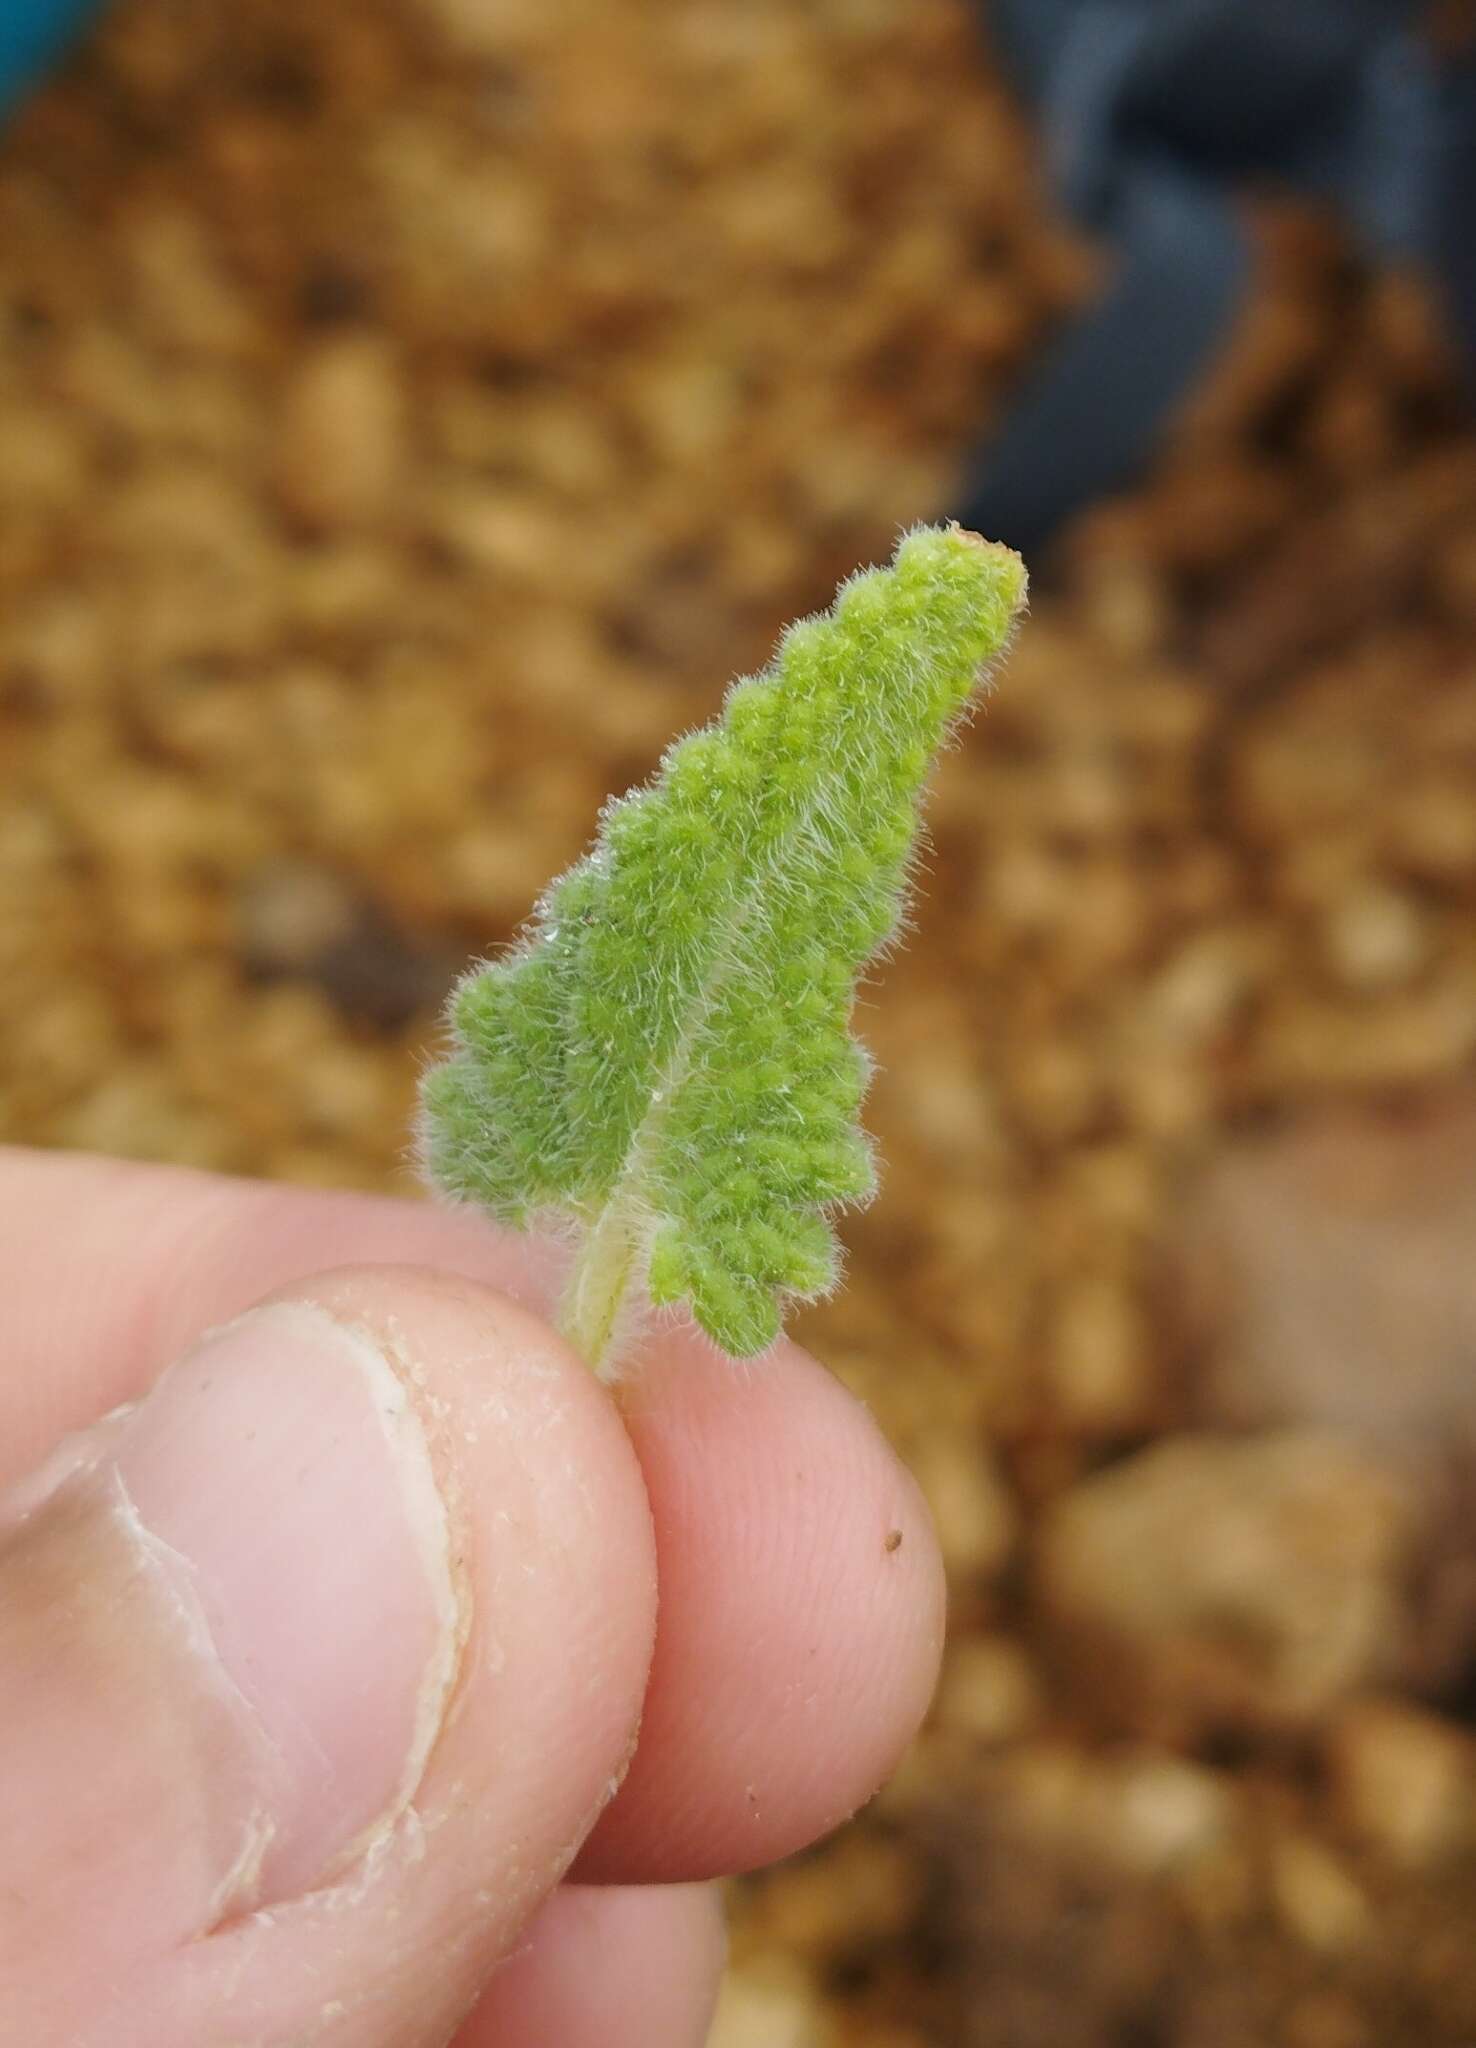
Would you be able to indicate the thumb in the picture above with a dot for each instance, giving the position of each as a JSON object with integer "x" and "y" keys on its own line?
{"x": 316, "y": 1666}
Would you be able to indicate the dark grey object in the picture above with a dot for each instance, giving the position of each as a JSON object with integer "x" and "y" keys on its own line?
{"x": 1154, "y": 114}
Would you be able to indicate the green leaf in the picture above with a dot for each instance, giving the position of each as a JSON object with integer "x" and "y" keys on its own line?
{"x": 665, "y": 1061}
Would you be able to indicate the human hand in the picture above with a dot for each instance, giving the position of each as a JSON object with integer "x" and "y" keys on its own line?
{"x": 319, "y": 1669}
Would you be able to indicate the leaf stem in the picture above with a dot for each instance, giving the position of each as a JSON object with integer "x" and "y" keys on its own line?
{"x": 590, "y": 1311}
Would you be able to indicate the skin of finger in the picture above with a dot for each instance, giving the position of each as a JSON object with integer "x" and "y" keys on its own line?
{"x": 775, "y": 1497}
{"x": 553, "y": 1545}
{"x": 112, "y": 1268}
{"x": 771, "y": 1715}
{"x": 128, "y": 1785}
{"x": 608, "y": 1966}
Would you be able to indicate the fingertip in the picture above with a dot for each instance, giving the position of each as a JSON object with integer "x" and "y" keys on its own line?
{"x": 609, "y": 1966}
{"x": 801, "y": 1621}
{"x": 352, "y": 1616}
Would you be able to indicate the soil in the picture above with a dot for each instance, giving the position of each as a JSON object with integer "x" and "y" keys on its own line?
{"x": 411, "y": 415}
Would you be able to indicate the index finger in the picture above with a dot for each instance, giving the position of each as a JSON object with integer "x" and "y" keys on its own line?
{"x": 801, "y": 1596}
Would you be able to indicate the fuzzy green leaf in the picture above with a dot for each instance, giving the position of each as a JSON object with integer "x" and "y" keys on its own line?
{"x": 665, "y": 1060}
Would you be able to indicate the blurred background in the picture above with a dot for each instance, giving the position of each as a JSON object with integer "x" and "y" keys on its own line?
{"x": 413, "y": 411}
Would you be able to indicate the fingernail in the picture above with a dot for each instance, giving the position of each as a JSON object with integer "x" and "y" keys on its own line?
{"x": 280, "y": 1480}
